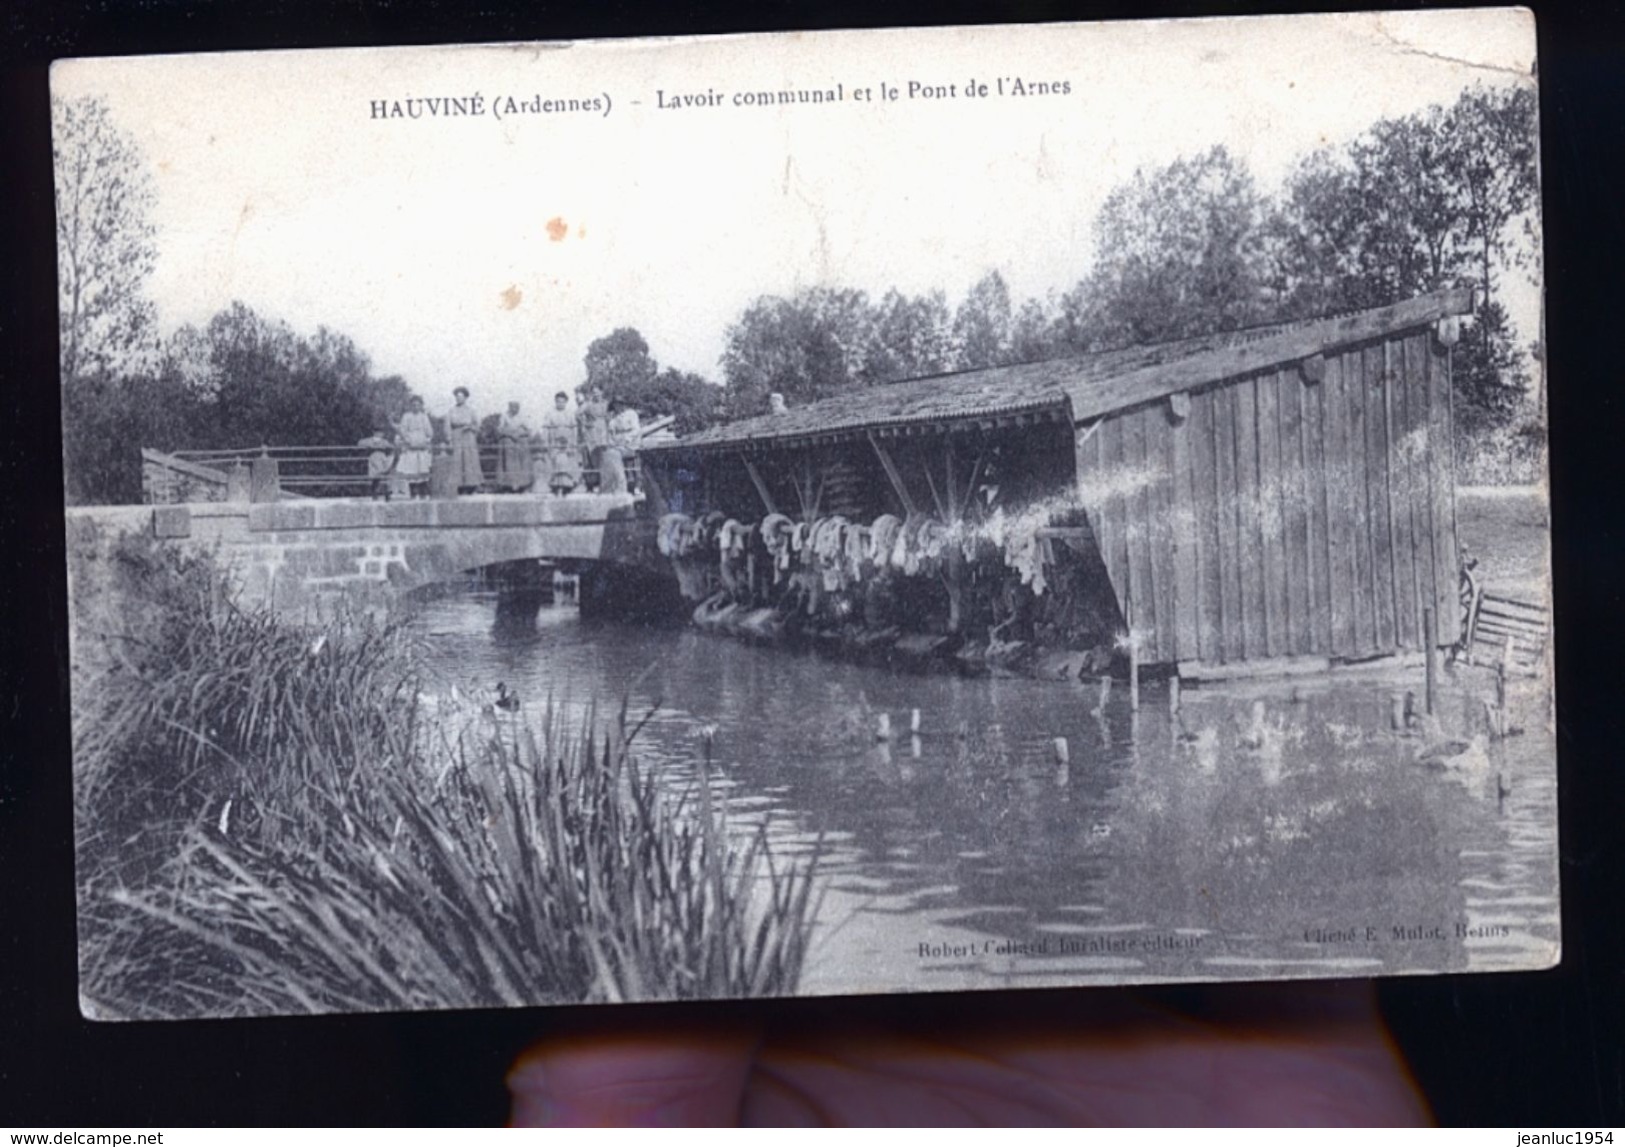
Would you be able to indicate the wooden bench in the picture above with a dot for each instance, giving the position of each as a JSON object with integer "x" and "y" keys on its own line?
{"x": 1494, "y": 621}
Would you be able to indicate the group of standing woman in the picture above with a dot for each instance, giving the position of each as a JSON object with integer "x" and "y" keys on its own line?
{"x": 593, "y": 448}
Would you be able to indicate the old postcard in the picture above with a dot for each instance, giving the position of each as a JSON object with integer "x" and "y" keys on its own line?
{"x": 846, "y": 512}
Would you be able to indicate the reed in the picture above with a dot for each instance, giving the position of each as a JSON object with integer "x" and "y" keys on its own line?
{"x": 183, "y": 700}
{"x": 318, "y": 843}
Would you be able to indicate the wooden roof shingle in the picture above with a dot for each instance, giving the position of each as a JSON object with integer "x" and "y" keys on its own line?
{"x": 1091, "y": 384}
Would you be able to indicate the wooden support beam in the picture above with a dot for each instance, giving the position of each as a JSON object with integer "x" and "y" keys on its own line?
{"x": 809, "y": 489}
{"x": 936, "y": 496}
{"x": 804, "y": 491}
{"x": 969, "y": 499}
{"x": 893, "y": 474}
{"x": 761, "y": 486}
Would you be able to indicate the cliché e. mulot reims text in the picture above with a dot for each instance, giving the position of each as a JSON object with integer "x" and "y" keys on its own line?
{"x": 1370, "y": 934}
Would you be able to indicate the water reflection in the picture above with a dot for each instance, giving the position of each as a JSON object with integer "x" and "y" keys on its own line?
{"x": 1286, "y": 830}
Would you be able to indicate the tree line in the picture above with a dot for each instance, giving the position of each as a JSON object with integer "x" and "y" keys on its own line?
{"x": 241, "y": 380}
{"x": 1438, "y": 198}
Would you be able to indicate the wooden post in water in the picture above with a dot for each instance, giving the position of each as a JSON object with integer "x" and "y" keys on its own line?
{"x": 883, "y": 727}
{"x": 1501, "y": 672}
{"x": 1431, "y": 641}
{"x": 1173, "y": 693}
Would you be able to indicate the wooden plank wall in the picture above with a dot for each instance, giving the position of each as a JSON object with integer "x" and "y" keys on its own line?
{"x": 1281, "y": 517}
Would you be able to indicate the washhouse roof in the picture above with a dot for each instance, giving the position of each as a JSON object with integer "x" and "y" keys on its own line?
{"x": 1083, "y": 386}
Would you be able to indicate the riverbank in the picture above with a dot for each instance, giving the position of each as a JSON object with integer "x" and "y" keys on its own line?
{"x": 271, "y": 820}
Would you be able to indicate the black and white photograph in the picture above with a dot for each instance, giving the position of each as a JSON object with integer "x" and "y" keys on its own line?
{"x": 789, "y": 515}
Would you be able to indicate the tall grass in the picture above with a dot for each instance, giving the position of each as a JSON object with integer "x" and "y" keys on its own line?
{"x": 182, "y": 700}
{"x": 309, "y": 839}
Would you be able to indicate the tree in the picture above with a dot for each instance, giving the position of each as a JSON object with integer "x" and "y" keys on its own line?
{"x": 1374, "y": 224}
{"x": 982, "y": 324}
{"x": 1490, "y": 146}
{"x": 241, "y": 381}
{"x": 620, "y": 364}
{"x": 105, "y": 249}
{"x": 1488, "y": 373}
{"x": 186, "y": 355}
{"x": 694, "y": 402}
{"x": 264, "y": 384}
{"x": 1040, "y": 331}
{"x": 1419, "y": 203}
{"x": 1179, "y": 251}
{"x": 619, "y": 361}
{"x": 910, "y": 338}
{"x": 805, "y": 348}
{"x": 105, "y": 422}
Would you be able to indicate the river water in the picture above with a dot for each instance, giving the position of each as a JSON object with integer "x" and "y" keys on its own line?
{"x": 1269, "y": 831}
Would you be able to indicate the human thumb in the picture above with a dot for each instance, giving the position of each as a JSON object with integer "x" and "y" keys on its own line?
{"x": 650, "y": 1079}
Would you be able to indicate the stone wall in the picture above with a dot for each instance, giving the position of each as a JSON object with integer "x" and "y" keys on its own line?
{"x": 291, "y": 554}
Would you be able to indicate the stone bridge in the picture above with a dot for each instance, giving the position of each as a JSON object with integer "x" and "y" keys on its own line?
{"x": 293, "y": 554}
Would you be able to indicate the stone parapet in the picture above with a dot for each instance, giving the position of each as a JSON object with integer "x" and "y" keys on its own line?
{"x": 287, "y": 553}
{"x": 474, "y": 511}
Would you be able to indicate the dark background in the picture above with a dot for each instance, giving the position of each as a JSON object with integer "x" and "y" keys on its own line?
{"x": 1539, "y": 1049}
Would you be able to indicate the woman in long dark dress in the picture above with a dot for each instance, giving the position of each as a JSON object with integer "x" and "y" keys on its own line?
{"x": 463, "y": 429}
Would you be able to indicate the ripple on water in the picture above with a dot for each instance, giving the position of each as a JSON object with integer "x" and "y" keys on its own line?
{"x": 1150, "y": 834}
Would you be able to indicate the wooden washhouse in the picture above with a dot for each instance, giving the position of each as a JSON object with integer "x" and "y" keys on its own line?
{"x": 1268, "y": 499}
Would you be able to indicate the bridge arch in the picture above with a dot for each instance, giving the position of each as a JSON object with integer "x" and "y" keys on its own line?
{"x": 291, "y": 554}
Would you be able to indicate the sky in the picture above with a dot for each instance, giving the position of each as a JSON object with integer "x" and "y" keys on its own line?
{"x": 489, "y": 250}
